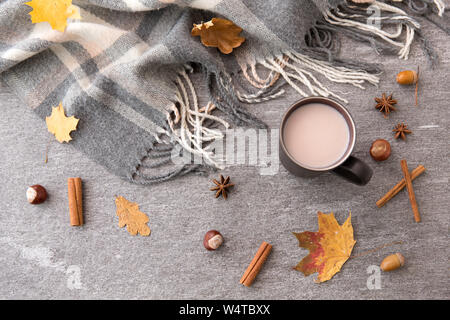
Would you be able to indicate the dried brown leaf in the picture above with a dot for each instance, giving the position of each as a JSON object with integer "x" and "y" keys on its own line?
{"x": 130, "y": 215}
{"x": 60, "y": 125}
{"x": 219, "y": 33}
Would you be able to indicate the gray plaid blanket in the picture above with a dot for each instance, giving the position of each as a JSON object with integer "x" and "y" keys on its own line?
{"x": 124, "y": 69}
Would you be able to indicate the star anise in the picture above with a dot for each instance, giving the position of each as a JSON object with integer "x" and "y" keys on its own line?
{"x": 401, "y": 130}
{"x": 222, "y": 186}
{"x": 385, "y": 104}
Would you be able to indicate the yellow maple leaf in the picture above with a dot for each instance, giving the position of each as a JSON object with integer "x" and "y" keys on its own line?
{"x": 130, "y": 215}
{"x": 55, "y": 12}
{"x": 60, "y": 125}
{"x": 329, "y": 248}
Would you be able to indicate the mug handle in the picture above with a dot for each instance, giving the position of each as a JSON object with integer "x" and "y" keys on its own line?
{"x": 355, "y": 171}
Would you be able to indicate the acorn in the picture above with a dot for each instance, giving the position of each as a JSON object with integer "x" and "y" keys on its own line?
{"x": 407, "y": 77}
{"x": 36, "y": 194}
{"x": 392, "y": 262}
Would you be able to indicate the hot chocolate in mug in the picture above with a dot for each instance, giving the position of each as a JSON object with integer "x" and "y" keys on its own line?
{"x": 317, "y": 135}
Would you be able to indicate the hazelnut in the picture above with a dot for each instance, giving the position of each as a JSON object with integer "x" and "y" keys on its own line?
{"x": 380, "y": 150}
{"x": 392, "y": 262}
{"x": 213, "y": 240}
{"x": 36, "y": 194}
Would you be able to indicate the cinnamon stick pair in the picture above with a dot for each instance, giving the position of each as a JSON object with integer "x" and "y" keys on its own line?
{"x": 400, "y": 186}
{"x": 75, "y": 194}
{"x": 256, "y": 264}
{"x": 405, "y": 182}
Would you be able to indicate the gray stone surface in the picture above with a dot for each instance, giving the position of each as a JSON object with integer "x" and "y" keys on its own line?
{"x": 40, "y": 253}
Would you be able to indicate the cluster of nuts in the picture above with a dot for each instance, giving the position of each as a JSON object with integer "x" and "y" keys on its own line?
{"x": 381, "y": 149}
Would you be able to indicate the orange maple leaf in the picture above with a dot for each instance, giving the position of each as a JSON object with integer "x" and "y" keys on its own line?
{"x": 329, "y": 248}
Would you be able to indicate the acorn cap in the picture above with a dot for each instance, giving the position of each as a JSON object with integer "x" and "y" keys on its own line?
{"x": 401, "y": 259}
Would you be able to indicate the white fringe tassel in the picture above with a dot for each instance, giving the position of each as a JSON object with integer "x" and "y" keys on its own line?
{"x": 302, "y": 67}
{"x": 256, "y": 97}
{"x": 187, "y": 127}
{"x": 440, "y": 5}
{"x": 342, "y": 19}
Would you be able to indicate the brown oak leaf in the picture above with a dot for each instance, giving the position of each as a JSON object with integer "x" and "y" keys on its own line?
{"x": 130, "y": 215}
{"x": 219, "y": 33}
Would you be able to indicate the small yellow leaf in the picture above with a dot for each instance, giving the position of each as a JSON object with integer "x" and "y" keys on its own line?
{"x": 219, "y": 33}
{"x": 55, "y": 12}
{"x": 60, "y": 125}
{"x": 130, "y": 215}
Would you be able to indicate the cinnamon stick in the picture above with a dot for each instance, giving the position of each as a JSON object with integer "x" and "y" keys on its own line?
{"x": 256, "y": 264}
{"x": 409, "y": 187}
{"x": 399, "y": 186}
{"x": 75, "y": 194}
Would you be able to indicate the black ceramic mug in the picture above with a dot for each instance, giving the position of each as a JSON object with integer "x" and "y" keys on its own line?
{"x": 348, "y": 167}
